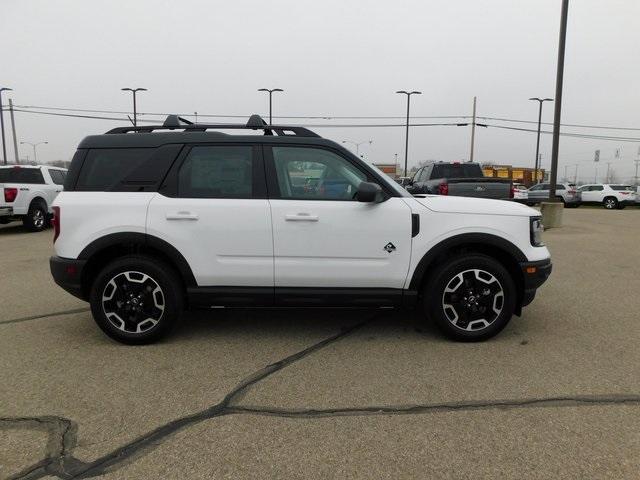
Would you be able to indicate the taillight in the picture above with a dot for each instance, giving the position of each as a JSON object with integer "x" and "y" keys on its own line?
{"x": 56, "y": 223}
{"x": 512, "y": 191}
{"x": 10, "y": 194}
{"x": 443, "y": 189}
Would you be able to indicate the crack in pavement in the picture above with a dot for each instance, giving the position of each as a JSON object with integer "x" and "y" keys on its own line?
{"x": 67, "y": 467}
{"x": 61, "y": 439}
{"x": 59, "y": 461}
{"x": 566, "y": 401}
{"x": 45, "y": 315}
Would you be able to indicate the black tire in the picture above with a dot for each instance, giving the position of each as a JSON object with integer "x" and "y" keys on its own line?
{"x": 460, "y": 325}
{"x": 610, "y": 203}
{"x": 37, "y": 218}
{"x": 127, "y": 296}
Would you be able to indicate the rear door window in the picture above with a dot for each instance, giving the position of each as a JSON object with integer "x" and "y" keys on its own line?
{"x": 622, "y": 188}
{"x": 217, "y": 172}
{"x": 21, "y": 175}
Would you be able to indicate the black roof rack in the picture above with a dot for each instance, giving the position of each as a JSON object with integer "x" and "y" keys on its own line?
{"x": 255, "y": 122}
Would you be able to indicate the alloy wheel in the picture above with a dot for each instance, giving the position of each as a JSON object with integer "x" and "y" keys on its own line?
{"x": 38, "y": 218}
{"x": 133, "y": 302}
{"x": 473, "y": 300}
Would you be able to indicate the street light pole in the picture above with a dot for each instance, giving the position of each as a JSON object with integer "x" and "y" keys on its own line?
{"x": 34, "y": 145}
{"x": 357, "y": 144}
{"x": 4, "y": 146}
{"x": 406, "y": 139}
{"x": 135, "y": 112}
{"x": 270, "y": 100}
{"x": 558, "y": 106}
{"x": 536, "y": 164}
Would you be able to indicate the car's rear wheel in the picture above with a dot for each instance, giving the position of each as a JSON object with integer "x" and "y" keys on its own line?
{"x": 37, "y": 218}
{"x": 136, "y": 299}
{"x": 610, "y": 203}
{"x": 471, "y": 297}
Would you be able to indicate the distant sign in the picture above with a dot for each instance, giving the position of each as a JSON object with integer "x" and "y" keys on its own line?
{"x": 597, "y": 157}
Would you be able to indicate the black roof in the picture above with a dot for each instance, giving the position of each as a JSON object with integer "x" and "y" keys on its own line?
{"x": 178, "y": 130}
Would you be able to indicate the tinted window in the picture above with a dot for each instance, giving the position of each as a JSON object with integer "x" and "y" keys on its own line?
{"x": 108, "y": 167}
{"x": 596, "y": 188}
{"x": 57, "y": 176}
{"x": 456, "y": 170}
{"x": 535, "y": 188}
{"x": 315, "y": 174}
{"x": 560, "y": 187}
{"x": 21, "y": 175}
{"x": 622, "y": 188}
{"x": 217, "y": 172}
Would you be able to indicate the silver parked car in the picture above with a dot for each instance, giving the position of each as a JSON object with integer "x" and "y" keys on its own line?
{"x": 566, "y": 192}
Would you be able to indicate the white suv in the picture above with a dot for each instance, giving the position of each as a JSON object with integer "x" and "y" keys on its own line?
{"x": 152, "y": 223}
{"x": 610, "y": 196}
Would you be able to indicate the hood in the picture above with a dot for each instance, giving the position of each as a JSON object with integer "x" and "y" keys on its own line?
{"x": 478, "y": 206}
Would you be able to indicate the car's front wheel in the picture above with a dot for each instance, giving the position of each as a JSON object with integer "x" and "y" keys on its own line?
{"x": 136, "y": 299}
{"x": 471, "y": 297}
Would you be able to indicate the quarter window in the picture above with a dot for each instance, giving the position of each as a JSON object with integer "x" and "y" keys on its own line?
{"x": 217, "y": 172}
{"x": 315, "y": 174}
{"x": 57, "y": 176}
{"x": 108, "y": 167}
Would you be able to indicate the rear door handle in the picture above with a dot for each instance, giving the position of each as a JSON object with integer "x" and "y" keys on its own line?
{"x": 181, "y": 216}
{"x": 301, "y": 217}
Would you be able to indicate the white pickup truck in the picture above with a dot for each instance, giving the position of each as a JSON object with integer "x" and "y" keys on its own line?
{"x": 27, "y": 192}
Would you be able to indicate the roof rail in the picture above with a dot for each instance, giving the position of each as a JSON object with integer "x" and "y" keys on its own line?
{"x": 255, "y": 122}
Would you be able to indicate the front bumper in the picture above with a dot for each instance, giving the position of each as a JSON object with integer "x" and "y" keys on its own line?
{"x": 534, "y": 274}
{"x": 67, "y": 273}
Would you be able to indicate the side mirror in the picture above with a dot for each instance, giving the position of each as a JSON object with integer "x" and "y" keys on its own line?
{"x": 369, "y": 192}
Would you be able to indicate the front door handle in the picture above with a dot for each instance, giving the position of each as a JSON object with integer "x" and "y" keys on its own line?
{"x": 301, "y": 217}
{"x": 181, "y": 216}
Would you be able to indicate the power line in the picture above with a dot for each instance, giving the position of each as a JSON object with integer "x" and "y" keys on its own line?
{"x": 568, "y": 134}
{"x": 605, "y": 127}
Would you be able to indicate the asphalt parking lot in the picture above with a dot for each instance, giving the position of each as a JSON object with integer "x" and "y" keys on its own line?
{"x": 330, "y": 394}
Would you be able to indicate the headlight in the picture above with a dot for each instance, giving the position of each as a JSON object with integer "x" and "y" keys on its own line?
{"x": 536, "y": 231}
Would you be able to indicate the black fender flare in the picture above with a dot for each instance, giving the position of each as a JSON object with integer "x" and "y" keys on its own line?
{"x": 143, "y": 240}
{"x": 464, "y": 239}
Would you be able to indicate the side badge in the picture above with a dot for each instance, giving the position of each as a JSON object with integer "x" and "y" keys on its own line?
{"x": 389, "y": 247}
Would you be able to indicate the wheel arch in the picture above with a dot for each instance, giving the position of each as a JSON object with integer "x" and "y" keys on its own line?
{"x": 38, "y": 199}
{"x": 101, "y": 251}
{"x": 508, "y": 254}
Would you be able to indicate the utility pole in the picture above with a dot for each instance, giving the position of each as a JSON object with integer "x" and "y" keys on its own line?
{"x": 34, "y": 146}
{"x": 575, "y": 176}
{"x": 4, "y": 146}
{"x": 406, "y": 138}
{"x": 565, "y": 173}
{"x": 637, "y": 163}
{"x": 537, "y": 157}
{"x": 558, "y": 101}
{"x": 13, "y": 129}
{"x": 473, "y": 129}
{"x": 607, "y": 178}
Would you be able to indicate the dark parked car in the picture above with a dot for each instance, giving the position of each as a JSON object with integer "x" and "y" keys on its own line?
{"x": 459, "y": 179}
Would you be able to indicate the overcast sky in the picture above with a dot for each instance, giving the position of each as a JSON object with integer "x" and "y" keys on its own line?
{"x": 333, "y": 58}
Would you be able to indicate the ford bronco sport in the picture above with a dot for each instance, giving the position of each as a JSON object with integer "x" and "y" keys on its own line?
{"x": 157, "y": 219}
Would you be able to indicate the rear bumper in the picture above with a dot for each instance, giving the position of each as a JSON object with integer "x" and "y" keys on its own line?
{"x": 67, "y": 273}
{"x": 534, "y": 274}
{"x": 6, "y": 211}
